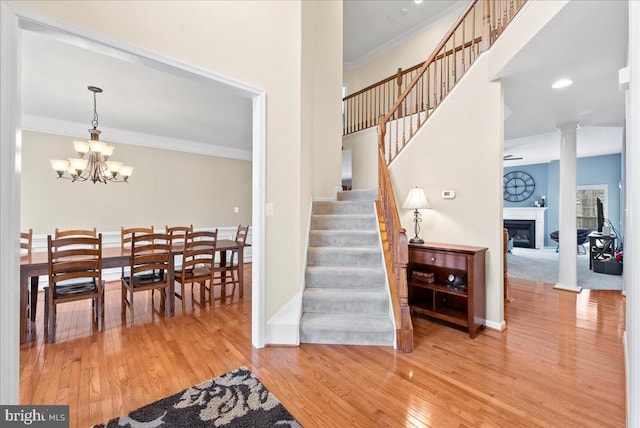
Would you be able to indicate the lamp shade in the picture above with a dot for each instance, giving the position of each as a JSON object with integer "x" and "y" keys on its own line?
{"x": 416, "y": 200}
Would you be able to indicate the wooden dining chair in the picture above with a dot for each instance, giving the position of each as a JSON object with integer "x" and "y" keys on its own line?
{"x": 198, "y": 259}
{"x": 230, "y": 271}
{"x": 127, "y": 234}
{"x": 26, "y": 242}
{"x": 150, "y": 268}
{"x": 75, "y": 273}
{"x": 26, "y": 246}
{"x": 177, "y": 236}
{"x": 74, "y": 232}
{"x": 125, "y": 240}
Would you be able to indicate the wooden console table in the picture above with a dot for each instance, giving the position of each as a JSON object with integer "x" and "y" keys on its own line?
{"x": 464, "y": 305}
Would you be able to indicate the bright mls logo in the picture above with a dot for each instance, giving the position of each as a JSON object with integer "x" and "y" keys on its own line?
{"x": 34, "y": 416}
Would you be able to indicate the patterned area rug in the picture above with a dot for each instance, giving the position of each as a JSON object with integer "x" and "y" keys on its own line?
{"x": 236, "y": 399}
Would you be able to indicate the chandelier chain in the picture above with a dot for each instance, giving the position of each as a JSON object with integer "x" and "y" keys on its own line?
{"x": 94, "y": 122}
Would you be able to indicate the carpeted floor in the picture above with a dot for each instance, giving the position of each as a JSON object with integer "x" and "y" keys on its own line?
{"x": 236, "y": 399}
{"x": 542, "y": 265}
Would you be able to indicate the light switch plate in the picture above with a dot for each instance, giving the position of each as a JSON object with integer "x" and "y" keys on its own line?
{"x": 448, "y": 194}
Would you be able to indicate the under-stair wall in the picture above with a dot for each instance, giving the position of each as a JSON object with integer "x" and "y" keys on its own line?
{"x": 460, "y": 148}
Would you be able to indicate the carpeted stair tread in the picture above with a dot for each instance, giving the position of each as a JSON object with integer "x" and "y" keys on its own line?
{"x": 343, "y": 222}
{"x": 346, "y": 329}
{"x": 345, "y": 301}
{"x": 343, "y": 207}
{"x": 358, "y": 195}
{"x": 343, "y": 256}
{"x": 343, "y": 238}
{"x": 344, "y": 277}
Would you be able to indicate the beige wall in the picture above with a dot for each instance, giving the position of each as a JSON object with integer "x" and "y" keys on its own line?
{"x": 166, "y": 188}
{"x": 255, "y": 42}
{"x": 460, "y": 148}
{"x": 322, "y": 62}
{"x": 364, "y": 158}
{"x": 406, "y": 55}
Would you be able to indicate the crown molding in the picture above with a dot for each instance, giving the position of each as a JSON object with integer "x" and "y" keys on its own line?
{"x": 402, "y": 38}
{"x": 119, "y": 136}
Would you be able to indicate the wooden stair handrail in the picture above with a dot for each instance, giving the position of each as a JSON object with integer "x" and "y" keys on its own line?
{"x": 395, "y": 242}
{"x": 396, "y": 253}
{"x": 429, "y": 60}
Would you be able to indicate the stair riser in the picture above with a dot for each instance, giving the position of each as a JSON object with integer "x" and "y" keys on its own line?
{"x": 330, "y": 238}
{"x": 337, "y": 279}
{"x": 343, "y": 207}
{"x": 340, "y": 222}
{"x": 346, "y": 338}
{"x": 327, "y": 256}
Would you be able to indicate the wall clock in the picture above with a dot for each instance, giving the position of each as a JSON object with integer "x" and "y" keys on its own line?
{"x": 518, "y": 186}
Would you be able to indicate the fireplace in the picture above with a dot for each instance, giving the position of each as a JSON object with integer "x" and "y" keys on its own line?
{"x": 523, "y": 232}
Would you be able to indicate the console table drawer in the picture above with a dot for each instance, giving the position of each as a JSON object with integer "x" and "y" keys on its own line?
{"x": 439, "y": 259}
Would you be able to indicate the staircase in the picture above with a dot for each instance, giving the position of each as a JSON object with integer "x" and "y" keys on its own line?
{"x": 345, "y": 300}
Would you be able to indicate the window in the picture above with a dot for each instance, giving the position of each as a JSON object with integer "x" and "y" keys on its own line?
{"x": 586, "y": 211}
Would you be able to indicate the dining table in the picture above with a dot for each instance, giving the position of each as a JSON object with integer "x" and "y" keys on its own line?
{"x": 36, "y": 264}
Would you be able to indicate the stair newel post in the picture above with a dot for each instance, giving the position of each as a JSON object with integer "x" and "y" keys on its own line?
{"x": 486, "y": 25}
{"x": 405, "y": 337}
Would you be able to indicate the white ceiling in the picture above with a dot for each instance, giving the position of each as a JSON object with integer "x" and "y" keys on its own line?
{"x": 144, "y": 103}
{"x": 138, "y": 101}
{"x": 569, "y": 47}
{"x": 373, "y": 26}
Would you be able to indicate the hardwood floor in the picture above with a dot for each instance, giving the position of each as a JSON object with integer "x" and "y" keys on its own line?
{"x": 558, "y": 364}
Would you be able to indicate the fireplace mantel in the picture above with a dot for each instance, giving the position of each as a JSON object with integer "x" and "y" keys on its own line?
{"x": 528, "y": 213}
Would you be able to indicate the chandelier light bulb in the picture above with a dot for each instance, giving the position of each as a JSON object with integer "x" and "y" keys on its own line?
{"x": 107, "y": 151}
{"x": 81, "y": 147}
{"x": 126, "y": 171}
{"x": 97, "y": 146}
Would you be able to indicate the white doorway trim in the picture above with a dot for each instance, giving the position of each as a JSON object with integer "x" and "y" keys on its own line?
{"x": 13, "y": 19}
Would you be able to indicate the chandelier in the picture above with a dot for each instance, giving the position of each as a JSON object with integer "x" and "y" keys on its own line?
{"x": 93, "y": 162}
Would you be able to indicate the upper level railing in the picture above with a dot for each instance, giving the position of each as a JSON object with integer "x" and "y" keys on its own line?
{"x": 437, "y": 76}
{"x": 363, "y": 108}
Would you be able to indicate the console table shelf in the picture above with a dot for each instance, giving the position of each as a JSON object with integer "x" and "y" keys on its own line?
{"x": 434, "y": 298}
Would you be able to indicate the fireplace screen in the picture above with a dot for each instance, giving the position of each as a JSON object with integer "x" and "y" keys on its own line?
{"x": 523, "y": 232}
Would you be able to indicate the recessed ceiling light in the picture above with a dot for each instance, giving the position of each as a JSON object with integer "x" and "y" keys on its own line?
{"x": 562, "y": 83}
{"x": 417, "y": 1}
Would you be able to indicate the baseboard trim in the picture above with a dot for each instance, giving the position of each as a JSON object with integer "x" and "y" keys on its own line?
{"x": 283, "y": 329}
{"x": 498, "y": 326}
{"x": 572, "y": 288}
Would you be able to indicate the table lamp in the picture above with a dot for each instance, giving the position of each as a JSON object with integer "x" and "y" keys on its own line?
{"x": 416, "y": 200}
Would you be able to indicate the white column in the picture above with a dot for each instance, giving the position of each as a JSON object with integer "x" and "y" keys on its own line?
{"x": 568, "y": 269}
{"x": 632, "y": 221}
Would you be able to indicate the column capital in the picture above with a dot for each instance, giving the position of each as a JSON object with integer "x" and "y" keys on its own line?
{"x": 568, "y": 127}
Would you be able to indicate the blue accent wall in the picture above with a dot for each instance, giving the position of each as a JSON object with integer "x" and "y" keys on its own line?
{"x": 590, "y": 171}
